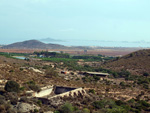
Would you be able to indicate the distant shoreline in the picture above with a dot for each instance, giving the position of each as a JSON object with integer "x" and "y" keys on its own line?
{"x": 102, "y": 51}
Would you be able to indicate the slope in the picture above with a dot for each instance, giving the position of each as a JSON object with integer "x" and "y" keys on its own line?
{"x": 137, "y": 62}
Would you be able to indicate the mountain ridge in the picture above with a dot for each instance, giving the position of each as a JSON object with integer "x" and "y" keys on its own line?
{"x": 32, "y": 44}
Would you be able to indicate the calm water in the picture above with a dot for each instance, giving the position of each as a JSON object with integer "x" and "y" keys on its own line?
{"x": 103, "y": 43}
{"x": 20, "y": 57}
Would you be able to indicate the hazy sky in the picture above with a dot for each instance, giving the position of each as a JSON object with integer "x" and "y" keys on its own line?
{"x": 119, "y": 20}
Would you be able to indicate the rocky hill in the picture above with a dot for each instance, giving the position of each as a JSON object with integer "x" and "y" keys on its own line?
{"x": 137, "y": 62}
{"x": 33, "y": 44}
{"x": 34, "y": 74}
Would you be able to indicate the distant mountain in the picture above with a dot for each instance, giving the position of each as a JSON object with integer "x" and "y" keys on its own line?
{"x": 50, "y": 40}
{"x": 33, "y": 44}
{"x": 137, "y": 62}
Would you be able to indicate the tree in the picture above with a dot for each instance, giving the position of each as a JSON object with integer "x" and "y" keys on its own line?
{"x": 32, "y": 86}
{"x": 50, "y": 72}
{"x": 98, "y": 104}
{"x": 67, "y": 108}
{"x": 122, "y": 83}
{"x": 145, "y": 74}
{"x": 92, "y": 91}
{"x": 96, "y": 78}
{"x": 12, "y": 86}
{"x": 86, "y": 110}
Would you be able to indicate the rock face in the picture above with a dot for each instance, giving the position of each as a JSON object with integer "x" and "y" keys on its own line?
{"x": 56, "y": 102}
{"x": 25, "y": 107}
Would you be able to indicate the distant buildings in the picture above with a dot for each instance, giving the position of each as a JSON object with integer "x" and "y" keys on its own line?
{"x": 64, "y": 72}
{"x": 55, "y": 51}
{"x": 97, "y": 74}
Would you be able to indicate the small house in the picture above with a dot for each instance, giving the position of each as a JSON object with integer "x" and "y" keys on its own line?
{"x": 64, "y": 72}
{"x": 97, "y": 74}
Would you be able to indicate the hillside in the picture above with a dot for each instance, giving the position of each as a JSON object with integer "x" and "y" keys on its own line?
{"x": 136, "y": 62}
{"x": 32, "y": 44}
{"x": 36, "y": 74}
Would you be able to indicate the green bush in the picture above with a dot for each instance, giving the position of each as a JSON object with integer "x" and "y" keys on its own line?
{"x": 22, "y": 88}
{"x": 12, "y": 86}
{"x": 122, "y": 83}
{"x": 11, "y": 71}
{"x": 145, "y": 74}
{"x": 31, "y": 82}
{"x": 96, "y": 78}
{"x": 98, "y": 104}
{"x": 14, "y": 101}
{"x": 36, "y": 110}
{"x": 2, "y": 100}
{"x": 34, "y": 87}
{"x": 50, "y": 72}
{"x": 92, "y": 91}
{"x": 39, "y": 102}
{"x": 124, "y": 74}
{"x": 131, "y": 101}
{"x": 67, "y": 108}
{"x": 56, "y": 112}
{"x": 116, "y": 110}
{"x": 21, "y": 69}
{"x": 146, "y": 86}
{"x": 24, "y": 99}
{"x": 144, "y": 103}
{"x": 105, "y": 103}
{"x": 119, "y": 102}
{"x": 85, "y": 110}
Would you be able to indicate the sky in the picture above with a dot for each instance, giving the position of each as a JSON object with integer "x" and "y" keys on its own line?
{"x": 109, "y": 20}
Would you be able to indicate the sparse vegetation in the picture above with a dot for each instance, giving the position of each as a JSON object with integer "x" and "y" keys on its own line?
{"x": 67, "y": 108}
{"x": 121, "y": 92}
{"x": 61, "y": 57}
{"x": 32, "y": 86}
{"x": 92, "y": 91}
{"x": 50, "y": 72}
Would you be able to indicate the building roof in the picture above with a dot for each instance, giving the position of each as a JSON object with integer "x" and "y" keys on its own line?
{"x": 98, "y": 73}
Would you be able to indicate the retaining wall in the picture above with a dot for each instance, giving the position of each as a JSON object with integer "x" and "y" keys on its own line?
{"x": 75, "y": 92}
{"x": 45, "y": 91}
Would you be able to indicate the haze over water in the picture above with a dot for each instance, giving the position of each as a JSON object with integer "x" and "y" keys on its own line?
{"x": 102, "y": 43}
{"x": 110, "y": 20}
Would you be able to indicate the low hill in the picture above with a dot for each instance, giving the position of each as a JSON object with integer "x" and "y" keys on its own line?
{"x": 33, "y": 44}
{"x": 137, "y": 62}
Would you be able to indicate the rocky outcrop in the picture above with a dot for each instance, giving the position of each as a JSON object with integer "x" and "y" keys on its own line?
{"x": 48, "y": 112}
{"x": 25, "y": 107}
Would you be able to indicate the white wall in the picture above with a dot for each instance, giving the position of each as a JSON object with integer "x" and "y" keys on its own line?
{"x": 70, "y": 92}
{"x": 44, "y": 92}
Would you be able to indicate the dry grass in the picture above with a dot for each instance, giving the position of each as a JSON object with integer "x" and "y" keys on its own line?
{"x": 136, "y": 62}
{"x": 104, "y": 51}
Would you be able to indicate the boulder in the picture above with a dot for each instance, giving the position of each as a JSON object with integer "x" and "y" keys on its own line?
{"x": 48, "y": 112}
